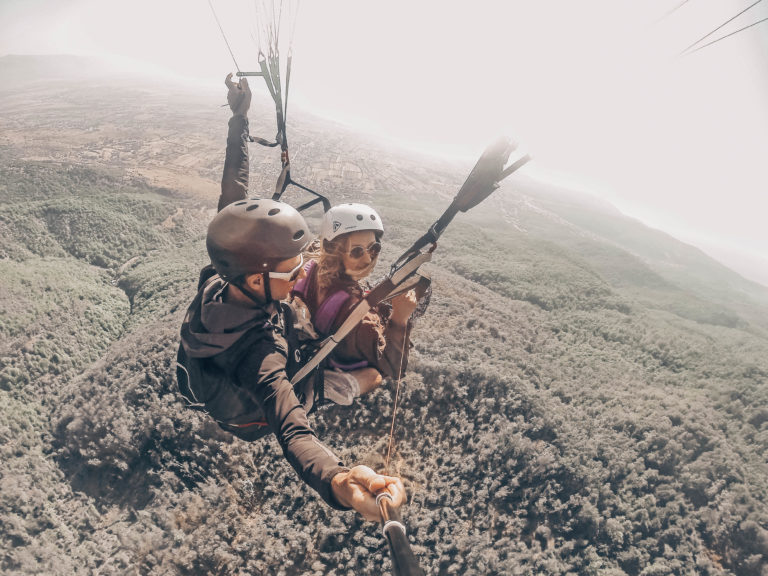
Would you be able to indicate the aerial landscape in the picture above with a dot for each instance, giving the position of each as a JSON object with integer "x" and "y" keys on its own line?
{"x": 585, "y": 395}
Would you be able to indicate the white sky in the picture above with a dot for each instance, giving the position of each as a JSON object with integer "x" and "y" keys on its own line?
{"x": 594, "y": 89}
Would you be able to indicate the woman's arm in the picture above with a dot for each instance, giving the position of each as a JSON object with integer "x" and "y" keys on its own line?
{"x": 383, "y": 345}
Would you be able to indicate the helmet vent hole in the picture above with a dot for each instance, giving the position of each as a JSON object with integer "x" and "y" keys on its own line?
{"x": 251, "y": 207}
{"x": 373, "y": 217}
{"x": 274, "y": 211}
{"x": 241, "y": 203}
{"x": 359, "y": 216}
{"x": 298, "y": 235}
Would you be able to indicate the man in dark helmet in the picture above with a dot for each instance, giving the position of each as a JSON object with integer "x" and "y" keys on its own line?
{"x": 235, "y": 352}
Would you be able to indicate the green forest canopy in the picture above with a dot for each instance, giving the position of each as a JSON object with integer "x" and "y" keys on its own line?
{"x": 572, "y": 406}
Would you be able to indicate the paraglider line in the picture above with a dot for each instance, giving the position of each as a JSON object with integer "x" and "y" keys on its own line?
{"x": 394, "y": 408}
{"x": 223, "y": 35}
{"x": 726, "y": 36}
{"x": 718, "y": 28}
{"x": 670, "y": 12}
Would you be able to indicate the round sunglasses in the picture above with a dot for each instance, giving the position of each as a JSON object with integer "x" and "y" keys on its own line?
{"x": 357, "y": 251}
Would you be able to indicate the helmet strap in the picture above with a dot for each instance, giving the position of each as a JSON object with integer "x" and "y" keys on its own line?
{"x": 243, "y": 287}
{"x": 267, "y": 289}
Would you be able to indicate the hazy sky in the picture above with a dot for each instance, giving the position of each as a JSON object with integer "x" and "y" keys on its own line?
{"x": 595, "y": 89}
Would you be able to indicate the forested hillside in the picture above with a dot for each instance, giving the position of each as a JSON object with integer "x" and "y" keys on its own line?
{"x": 585, "y": 396}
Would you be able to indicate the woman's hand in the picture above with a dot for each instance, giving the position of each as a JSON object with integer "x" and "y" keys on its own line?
{"x": 403, "y": 306}
{"x": 359, "y": 487}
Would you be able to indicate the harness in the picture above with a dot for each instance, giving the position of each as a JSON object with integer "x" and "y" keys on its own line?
{"x": 210, "y": 384}
{"x": 327, "y": 313}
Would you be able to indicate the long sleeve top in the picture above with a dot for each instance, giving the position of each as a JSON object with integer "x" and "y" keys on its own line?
{"x": 247, "y": 346}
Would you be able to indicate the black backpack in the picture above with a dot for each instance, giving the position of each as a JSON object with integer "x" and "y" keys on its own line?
{"x": 210, "y": 384}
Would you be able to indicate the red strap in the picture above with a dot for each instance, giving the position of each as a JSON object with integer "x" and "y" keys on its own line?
{"x": 260, "y": 423}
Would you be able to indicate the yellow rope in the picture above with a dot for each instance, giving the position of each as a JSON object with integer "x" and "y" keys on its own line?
{"x": 397, "y": 396}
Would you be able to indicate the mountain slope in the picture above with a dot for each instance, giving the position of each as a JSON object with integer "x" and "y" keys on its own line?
{"x": 638, "y": 255}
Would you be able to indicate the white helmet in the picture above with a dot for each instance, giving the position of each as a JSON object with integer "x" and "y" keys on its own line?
{"x": 347, "y": 218}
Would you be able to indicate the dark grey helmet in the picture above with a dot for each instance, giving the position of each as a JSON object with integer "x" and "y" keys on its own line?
{"x": 254, "y": 235}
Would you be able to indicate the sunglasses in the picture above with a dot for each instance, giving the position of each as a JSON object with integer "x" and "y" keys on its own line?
{"x": 358, "y": 251}
{"x": 289, "y": 276}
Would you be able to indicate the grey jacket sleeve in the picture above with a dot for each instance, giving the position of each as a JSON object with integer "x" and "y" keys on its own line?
{"x": 234, "y": 180}
{"x": 263, "y": 374}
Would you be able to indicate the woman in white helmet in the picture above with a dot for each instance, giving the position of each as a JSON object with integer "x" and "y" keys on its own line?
{"x": 349, "y": 245}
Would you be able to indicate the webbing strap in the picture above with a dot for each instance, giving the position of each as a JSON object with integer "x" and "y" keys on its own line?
{"x": 260, "y": 423}
{"x": 263, "y": 142}
{"x": 329, "y": 310}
